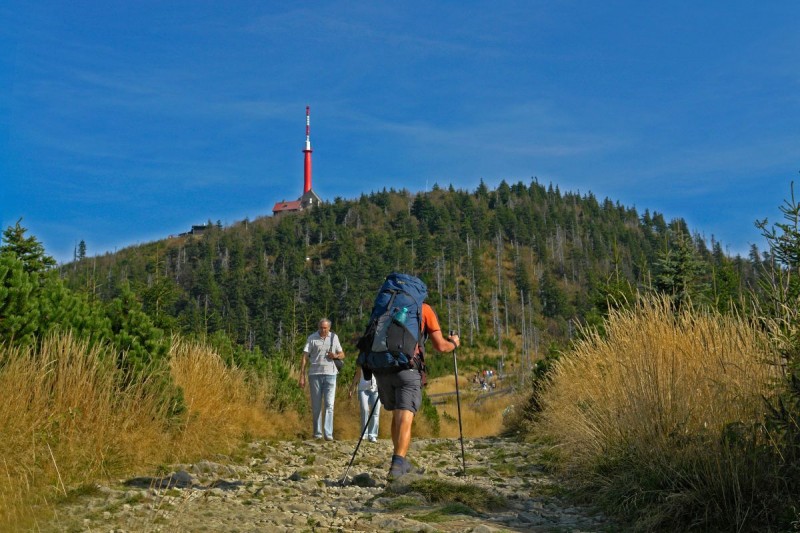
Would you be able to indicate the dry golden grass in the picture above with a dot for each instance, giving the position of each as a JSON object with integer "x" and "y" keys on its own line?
{"x": 479, "y": 419}
{"x": 654, "y": 376}
{"x": 225, "y": 404}
{"x": 445, "y": 384}
{"x": 658, "y": 393}
{"x": 66, "y": 423}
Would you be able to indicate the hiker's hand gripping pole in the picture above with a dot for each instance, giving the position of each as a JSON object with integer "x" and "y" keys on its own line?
{"x": 458, "y": 403}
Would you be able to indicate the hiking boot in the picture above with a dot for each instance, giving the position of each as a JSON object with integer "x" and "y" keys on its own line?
{"x": 398, "y": 469}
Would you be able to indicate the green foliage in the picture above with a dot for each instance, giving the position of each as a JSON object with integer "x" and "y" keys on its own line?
{"x": 429, "y": 413}
{"x": 553, "y": 298}
{"x": 780, "y": 307}
{"x": 134, "y": 333}
{"x": 142, "y": 349}
{"x": 444, "y": 513}
{"x": 237, "y": 355}
{"x": 19, "y": 312}
{"x": 67, "y": 310}
{"x": 27, "y": 249}
{"x": 446, "y": 492}
{"x": 80, "y": 253}
{"x": 439, "y": 364}
{"x": 286, "y": 395}
{"x": 522, "y": 415}
{"x": 613, "y": 293}
{"x": 34, "y": 302}
{"x": 679, "y": 272}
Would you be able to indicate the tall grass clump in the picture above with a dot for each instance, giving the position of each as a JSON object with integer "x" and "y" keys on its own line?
{"x": 72, "y": 417}
{"x": 66, "y": 421}
{"x": 661, "y": 419}
{"x": 224, "y": 403}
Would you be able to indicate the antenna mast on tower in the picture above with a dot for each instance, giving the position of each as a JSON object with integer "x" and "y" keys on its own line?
{"x": 307, "y": 151}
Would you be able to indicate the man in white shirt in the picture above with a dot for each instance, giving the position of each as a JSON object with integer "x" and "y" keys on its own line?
{"x": 321, "y": 348}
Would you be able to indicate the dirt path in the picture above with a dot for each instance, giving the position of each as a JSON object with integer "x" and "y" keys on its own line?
{"x": 294, "y": 486}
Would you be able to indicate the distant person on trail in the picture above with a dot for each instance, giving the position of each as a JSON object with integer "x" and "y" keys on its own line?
{"x": 401, "y": 392}
{"x": 322, "y": 348}
{"x": 367, "y": 396}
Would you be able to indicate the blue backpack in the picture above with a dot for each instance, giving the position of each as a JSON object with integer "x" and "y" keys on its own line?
{"x": 391, "y": 342}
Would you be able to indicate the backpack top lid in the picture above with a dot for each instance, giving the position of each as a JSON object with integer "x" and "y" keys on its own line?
{"x": 406, "y": 282}
{"x": 396, "y": 283}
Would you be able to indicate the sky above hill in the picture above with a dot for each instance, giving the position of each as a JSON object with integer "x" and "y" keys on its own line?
{"x": 123, "y": 122}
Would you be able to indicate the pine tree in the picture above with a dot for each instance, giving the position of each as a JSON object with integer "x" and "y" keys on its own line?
{"x": 679, "y": 272}
{"x": 27, "y": 249}
{"x": 19, "y": 309}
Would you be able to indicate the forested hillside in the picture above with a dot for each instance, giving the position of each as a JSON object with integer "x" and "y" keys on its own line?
{"x": 519, "y": 266}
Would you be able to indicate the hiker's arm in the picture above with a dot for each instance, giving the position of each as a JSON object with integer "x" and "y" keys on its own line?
{"x": 442, "y": 344}
{"x": 303, "y": 369}
{"x": 354, "y": 384}
{"x": 339, "y": 354}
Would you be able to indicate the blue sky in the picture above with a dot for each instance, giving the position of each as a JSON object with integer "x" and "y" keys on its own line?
{"x": 124, "y": 122}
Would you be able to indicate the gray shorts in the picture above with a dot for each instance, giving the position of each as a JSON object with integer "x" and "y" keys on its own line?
{"x": 402, "y": 390}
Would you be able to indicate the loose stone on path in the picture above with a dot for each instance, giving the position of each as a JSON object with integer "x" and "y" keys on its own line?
{"x": 295, "y": 486}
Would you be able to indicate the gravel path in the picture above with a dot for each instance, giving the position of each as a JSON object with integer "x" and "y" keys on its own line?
{"x": 295, "y": 486}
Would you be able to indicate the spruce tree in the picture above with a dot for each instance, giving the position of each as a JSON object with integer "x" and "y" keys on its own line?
{"x": 27, "y": 249}
{"x": 19, "y": 310}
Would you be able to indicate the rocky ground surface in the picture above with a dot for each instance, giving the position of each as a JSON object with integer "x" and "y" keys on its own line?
{"x": 295, "y": 486}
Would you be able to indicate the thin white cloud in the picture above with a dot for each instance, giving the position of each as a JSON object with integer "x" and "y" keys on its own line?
{"x": 526, "y": 130}
{"x": 373, "y": 28}
{"x": 726, "y": 163}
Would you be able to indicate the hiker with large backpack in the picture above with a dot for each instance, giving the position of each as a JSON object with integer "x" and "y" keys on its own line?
{"x": 321, "y": 352}
{"x": 392, "y": 348}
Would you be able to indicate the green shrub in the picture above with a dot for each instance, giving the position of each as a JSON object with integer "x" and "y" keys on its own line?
{"x": 430, "y": 414}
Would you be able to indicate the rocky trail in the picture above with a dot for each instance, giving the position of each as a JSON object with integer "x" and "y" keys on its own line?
{"x": 295, "y": 486}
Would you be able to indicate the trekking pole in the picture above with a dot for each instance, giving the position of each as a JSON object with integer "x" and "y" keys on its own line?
{"x": 363, "y": 431}
{"x": 458, "y": 402}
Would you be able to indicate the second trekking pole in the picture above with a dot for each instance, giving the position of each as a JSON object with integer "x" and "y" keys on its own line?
{"x": 458, "y": 402}
{"x": 363, "y": 431}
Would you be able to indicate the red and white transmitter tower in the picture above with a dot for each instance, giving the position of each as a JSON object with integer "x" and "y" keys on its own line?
{"x": 307, "y": 151}
{"x": 309, "y": 198}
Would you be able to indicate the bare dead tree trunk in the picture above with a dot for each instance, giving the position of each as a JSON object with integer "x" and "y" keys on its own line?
{"x": 499, "y": 261}
{"x": 458, "y": 303}
{"x": 498, "y": 330}
{"x": 505, "y": 310}
{"x": 440, "y": 266}
{"x": 474, "y": 305}
{"x": 523, "y": 330}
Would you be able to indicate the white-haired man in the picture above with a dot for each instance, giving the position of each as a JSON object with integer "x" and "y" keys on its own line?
{"x": 321, "y": 349}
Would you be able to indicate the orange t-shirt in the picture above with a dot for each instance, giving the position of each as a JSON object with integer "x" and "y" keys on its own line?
{"x": 429, "y": 321}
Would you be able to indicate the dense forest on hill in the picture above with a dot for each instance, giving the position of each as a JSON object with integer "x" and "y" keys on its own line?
{"x": 518, "y": 267}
